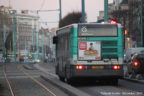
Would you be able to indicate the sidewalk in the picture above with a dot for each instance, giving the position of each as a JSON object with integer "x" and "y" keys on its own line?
{"x": 48, "y": 68}
{"x": 134, "y": 80}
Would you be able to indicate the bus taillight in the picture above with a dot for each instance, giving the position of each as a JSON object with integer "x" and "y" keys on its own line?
{"x": 116, "y": 67}
{"x": 80, "y": 67}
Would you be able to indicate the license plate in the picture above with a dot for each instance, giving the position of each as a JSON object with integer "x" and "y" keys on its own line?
{"x": 97, "y": 67}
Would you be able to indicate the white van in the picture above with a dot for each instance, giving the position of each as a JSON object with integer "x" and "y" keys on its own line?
{"x": 130, "y": 51}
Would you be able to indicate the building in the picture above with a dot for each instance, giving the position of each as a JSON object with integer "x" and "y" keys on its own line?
{"x": 19, "y": 32}
{"x": 101, "y": 15}
{"x": 6, "y": 28}
{"x": 124, "y": 5}
{"x": 136, "y": 22}
{"x": 117, "y": 4}
{"x": 25, "y": 29}
{"x": 45, "y": 44}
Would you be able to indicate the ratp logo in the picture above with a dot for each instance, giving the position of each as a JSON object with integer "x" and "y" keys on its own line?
{"x": 84, "y": 29}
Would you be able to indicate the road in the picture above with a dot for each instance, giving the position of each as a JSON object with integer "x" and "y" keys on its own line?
{"x": 124, "y": 87}
{"x": 25, "y": 80}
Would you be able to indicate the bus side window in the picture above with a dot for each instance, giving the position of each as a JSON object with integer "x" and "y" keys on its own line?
{"x": 55, "y": 40}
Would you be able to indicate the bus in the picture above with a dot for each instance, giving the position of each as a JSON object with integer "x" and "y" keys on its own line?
{"x": 89, "y": 50}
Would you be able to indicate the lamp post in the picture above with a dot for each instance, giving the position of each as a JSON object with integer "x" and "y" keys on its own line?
{"x": 37, "y": 41}
{"x": 141, "y": 23}
{"x": 4, "y": 38}
{"x": 43, "y": 53}
{"x": 105, "y": 10}
{"x": 83, "y": 11}
{"x": 3, "y": 34}
{"x": 60, "y": 9}
{"x": 33, "y": 42}
{"x": 14, "y": 37}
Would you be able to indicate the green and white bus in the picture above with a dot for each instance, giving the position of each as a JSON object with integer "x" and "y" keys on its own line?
{"x": 89, "y": 50}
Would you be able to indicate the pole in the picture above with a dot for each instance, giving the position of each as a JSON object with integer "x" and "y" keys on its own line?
{"x": 25, "y": 45}
{"x": 60, "y": 9}
{"x": 37, "y": 45}
{"x": 4, "y": 35}
{"x": 43, "y": 48}
{"x": 83, "y": 11}
{"x": 14, "y": 38}
{"x": 33, "y": 39}
{"x": 141, "y": 23}
{"x": 105, "y": 10}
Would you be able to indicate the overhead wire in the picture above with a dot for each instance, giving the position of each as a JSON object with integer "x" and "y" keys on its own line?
{"x": 42, "y": 5}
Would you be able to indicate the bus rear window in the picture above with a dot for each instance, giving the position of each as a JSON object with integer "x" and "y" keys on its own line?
{"x": 98, "y": 30}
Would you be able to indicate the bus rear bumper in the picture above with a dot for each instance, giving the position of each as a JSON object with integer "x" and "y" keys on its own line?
{"x": 105, "y": 73}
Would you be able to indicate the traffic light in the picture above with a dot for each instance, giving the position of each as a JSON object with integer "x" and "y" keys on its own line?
{"x": 125, "y": 32}
{"x": 112, "y": 21}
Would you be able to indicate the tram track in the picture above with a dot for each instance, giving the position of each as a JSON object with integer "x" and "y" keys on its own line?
{"x": 11, "y": 86}
{"x": 36, "y": 81}
{"x": 7, "y": 81}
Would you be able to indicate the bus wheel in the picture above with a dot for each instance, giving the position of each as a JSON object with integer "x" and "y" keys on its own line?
{"x": 62, "y": 78}
{"x": 69, "y": 81}
{"x": 114, "y": 81}
{"x": 56, "y": 69}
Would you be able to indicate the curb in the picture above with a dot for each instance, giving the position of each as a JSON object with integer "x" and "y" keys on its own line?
{"x": 71, "y": 91}
{"x": 134, "y": 80}
{"x": 27, "y": 67}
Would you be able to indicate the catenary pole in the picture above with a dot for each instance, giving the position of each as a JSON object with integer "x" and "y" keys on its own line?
{"x": 105, "y": 10}
{"x": 83, "y": 11}
{"x": 14, "y": 37}
{"x": 60, "y": 9}
{"x": 141, "y": 23}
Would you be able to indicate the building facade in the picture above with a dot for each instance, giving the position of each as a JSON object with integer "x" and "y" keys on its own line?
{"x": 19, "y": 32}
{"x": 117, "y": 4}
{"x": 26, "y": 31}
{"x": 5, "y": 29}
{"x": 136, "y": 22}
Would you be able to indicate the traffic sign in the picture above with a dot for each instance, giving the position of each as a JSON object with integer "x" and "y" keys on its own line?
{"x": 133, "y": 38}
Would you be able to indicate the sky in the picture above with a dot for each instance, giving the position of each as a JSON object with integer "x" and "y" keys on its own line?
{"x": 92, "y": 8}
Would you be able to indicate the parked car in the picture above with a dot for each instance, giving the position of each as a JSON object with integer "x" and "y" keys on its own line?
{"x": 130, "y": 52}
{"x": 136, "y": 65}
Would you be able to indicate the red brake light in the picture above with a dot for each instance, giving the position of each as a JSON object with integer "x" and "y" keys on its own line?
{"x": 113, "y": 21}
{"x": 80, "y": 67}
{"x": 136, "y": 63}
{"x": 116, "y": 67}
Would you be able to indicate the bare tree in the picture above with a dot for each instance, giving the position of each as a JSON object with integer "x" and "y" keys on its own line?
{"x": 121, "y": 16}
{"x": 70, "y": 18}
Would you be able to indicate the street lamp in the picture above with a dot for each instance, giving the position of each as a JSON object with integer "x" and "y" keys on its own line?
{"x": 14, "y": 37}
{"x": 141, "y": 23}
{"x": 83, "y": 11}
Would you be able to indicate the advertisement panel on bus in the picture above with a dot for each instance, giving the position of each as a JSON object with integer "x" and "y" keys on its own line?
{"x": 90, "y": 50}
